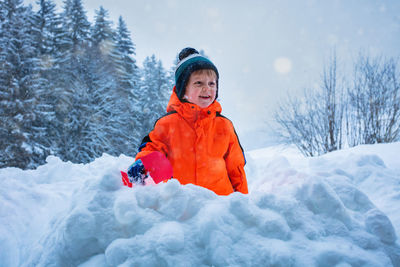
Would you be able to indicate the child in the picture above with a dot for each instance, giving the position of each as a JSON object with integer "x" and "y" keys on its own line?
{"x": 200, "y": 143}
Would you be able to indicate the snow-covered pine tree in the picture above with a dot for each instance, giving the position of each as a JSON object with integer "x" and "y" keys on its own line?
{"x": 76, "y": 24}
{"x": 102, "y": 33}
{"x": 48, "y": 23}
{"x": 128, "y": 75}
{"x": 154, "y": 93}
{"x": 73, "y": 84}
{"x": 127, "y": 78}
{"x": 102, "y": 90}
{"x": 59, "y": 75}
{"x": 64, "y": 38}
{"x": 19, "y": 79}
{"x": 48, "y": 43}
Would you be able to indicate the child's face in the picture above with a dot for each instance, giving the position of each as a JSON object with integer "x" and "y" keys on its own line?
{"x": 201, "y": 88}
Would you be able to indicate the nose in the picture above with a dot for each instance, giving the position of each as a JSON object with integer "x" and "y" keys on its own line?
{"x": 206, "y": 87}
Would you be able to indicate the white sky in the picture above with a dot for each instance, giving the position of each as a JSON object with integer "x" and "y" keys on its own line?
{"x": 262, "y": 49}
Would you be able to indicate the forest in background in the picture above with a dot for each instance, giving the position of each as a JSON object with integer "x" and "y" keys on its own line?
{"x": 72, "y": 88}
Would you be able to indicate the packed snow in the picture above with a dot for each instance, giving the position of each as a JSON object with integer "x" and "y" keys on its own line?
{"x": 340, "y": 209}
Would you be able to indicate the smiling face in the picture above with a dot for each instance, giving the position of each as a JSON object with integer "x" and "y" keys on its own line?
{"x": 201, "y": 88}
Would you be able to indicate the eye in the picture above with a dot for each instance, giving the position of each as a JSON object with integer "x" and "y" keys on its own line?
{"x": 212, "y": 84}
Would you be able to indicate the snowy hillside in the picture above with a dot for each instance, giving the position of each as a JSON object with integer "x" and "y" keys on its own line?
{"x": 339, "y": 209}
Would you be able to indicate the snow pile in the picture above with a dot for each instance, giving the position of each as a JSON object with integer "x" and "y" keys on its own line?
{"x": 333, "y": 210}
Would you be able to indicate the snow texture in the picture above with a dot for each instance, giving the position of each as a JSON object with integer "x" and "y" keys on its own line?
{"x": 341, "y": 209}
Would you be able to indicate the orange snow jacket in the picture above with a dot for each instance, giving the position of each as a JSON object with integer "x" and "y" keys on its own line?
{"x": 201, "y": 145}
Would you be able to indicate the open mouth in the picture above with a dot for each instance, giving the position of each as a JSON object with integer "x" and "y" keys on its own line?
{"x": 205, "y": 97}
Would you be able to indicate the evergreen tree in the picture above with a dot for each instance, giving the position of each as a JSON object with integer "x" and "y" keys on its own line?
{"x": 73, "y": 84}
{"x": 49, "y": 24}
{"x": 124, "y": 41}
{"x": 128, "y": 72}
{"x": 71, "y": 90}
{"x": 64, "y": 38}
{"x": 154, "y": 93}
{"x": 102, "y": 33}
{"x": 48, "y": 41}
{"x": 128, "y": 77}
{"x": 101, "y": 92}
{"x": 76, "y": 24}
{"x": 103, "y": 53}
{"x": 19, "y": 79}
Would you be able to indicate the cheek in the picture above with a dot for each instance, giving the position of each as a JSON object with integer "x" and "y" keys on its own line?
{"x": 214, "y": 92}
{"x": 192, "y": 93}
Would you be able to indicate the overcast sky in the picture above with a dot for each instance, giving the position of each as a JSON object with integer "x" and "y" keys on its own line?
{"x": 262, "y": 49}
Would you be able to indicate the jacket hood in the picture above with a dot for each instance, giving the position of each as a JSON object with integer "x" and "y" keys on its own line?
{"x": 192, "y": 111}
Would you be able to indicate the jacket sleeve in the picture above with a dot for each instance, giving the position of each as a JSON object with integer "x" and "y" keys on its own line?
{"x": 155, "y": 141}
{"x": 235, "y": 162}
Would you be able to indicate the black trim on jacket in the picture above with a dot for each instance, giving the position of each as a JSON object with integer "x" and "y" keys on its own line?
{"x": 147, "y": 139}
{"x": 222, "y": 116}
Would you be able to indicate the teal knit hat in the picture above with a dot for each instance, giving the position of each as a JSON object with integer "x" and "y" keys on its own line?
{"x": 190, "y": 61}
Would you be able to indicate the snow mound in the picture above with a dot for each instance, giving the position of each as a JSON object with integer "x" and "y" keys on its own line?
{"x": 300, "y": 212}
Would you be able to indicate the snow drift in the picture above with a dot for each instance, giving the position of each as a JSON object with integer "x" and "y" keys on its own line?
{"x": 338, "y": 209}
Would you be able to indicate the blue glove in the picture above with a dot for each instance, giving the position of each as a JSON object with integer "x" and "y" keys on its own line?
{"x": 136, "y": 172}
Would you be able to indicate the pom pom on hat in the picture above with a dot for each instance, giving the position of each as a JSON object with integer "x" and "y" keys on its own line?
{"x": 187, "y": 52}
{"x": 190, "y": 61}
